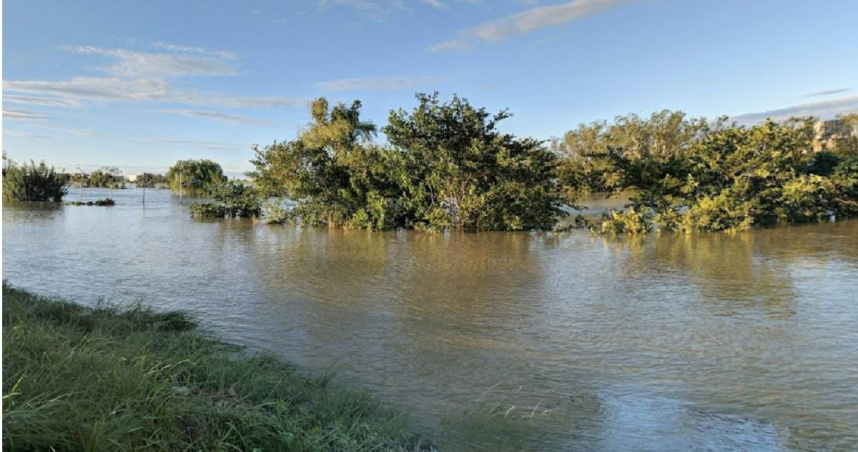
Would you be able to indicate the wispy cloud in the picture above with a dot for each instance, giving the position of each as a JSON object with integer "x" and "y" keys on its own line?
{"x": 183, "y": 62}
{"x": 526, "y": 22}
{"x": 219, "y": 116}
{"x": 18, "y": 133}
{"x": 438, "y": 4}
{"x": 113, "y": 89}
{"x": 377, "y": 10}
{"x": 200, "y": 144}
{"x": 828, "y": 92}
{"x": 44, "y": 101}
{"x": 23, "y": 115}
{"x": 824, "y": 109}
{"x": 376, "y": 83}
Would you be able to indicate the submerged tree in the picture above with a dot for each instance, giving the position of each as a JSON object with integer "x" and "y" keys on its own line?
{"x": 332, "y": 171}
{"x": 448, "y": 168}
{"x": 732, "y": 178}
{"x": 197, "y": 177}
{"x": 231, "y": 200}
{"x": 460, "y": 172}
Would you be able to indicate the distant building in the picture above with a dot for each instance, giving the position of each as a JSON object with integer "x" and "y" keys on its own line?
{"x": 131, "y": 178}
{"x": 826, "y": 133}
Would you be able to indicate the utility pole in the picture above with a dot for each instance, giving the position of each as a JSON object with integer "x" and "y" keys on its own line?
{"x": 180, "y": 184}
{"x": 80, "y": 186}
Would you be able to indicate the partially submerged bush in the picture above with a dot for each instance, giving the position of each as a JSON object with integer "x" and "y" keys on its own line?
{"x": 733, "y": 178}
{"x": 31, "y": 182}
{"x": 232, "y": 200}
{"x": 629, "y": 221}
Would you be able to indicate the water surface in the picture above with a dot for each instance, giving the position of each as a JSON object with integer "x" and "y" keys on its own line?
{"x": 666, "y": 342}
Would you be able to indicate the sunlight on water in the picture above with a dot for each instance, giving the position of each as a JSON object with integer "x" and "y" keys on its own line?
{"x": 713, "y": 341}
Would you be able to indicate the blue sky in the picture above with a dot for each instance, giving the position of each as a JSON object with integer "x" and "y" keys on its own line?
{"x": 142, "y": 84}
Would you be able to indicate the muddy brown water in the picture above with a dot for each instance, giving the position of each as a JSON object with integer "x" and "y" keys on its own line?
{"x": 501, "y": 341}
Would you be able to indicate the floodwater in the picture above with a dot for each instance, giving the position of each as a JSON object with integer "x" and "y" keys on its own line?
{"x": 501, "y": 341}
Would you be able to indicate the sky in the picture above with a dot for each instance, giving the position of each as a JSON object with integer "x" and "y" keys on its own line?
{"x": 142, "y": 84}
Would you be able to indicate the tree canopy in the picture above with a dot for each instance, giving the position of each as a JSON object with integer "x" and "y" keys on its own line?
{"x": 198, "y": 177}
{"x": 446, "y": 167}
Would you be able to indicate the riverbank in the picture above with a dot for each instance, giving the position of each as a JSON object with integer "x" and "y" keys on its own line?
{"x": 78, "y": 378}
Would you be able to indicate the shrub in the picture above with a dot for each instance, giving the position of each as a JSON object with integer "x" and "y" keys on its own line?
{"x": 31, "y": 182}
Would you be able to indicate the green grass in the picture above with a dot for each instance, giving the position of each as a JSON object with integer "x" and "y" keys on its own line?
{"x": 77, "y": 378}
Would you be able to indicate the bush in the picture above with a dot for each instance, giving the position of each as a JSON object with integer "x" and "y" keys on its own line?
{"x": 232, "y": 200}
{"x": 31, "y": 182}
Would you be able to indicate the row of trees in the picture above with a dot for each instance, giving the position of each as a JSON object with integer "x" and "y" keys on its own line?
{"x": 446, "y": 165}
{"x": 691, "y": 174}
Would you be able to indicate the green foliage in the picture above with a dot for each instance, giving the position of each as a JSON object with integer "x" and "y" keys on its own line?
{"x": 448, "y": 168}
{"x": 197, "y": 177}
{"x": 77, "y": 378}
{"x": 629, "y": 221}
{"x": 31, "y": 182}
{"x": 149, "y": 180}
{"x": 232, "y": 200}
{"x": 332, "y": 172}
{"x": 106, "y": 177}
{"x": 726, "y": 177}
{"x": 657, "y": 139}
{"x": 460, "y": 172}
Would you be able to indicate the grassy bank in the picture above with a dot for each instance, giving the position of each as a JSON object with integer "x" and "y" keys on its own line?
{"x": 76, "y": 378}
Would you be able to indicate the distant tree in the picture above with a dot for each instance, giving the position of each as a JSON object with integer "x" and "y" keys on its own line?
{"x": 198, "y": 177}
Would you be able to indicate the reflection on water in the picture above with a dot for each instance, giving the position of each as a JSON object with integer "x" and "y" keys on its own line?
{"x": 709, "y": 341}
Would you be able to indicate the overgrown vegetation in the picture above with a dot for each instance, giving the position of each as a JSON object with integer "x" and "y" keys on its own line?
{"x": 76, "y": 378}
{"x": 31, "y": 182}
{"x": 149, "y": 180}
{"x": 689, "y": 174}
{"x": 232, "y": 200}
{"x": 447, "y": 167}
{"x": 197, "y": 177}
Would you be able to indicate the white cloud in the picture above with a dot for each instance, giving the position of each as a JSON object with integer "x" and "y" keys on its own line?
{"x": 145, "y": 77}
{"x": 112, "y": 89}
{"x": 438, "y": 4}
{"x": 824, "y": 109}
{"x": 44, "y": 101}
{"x": 452, "y": 45}
{"x": 219, "y": 116}
{"x": 189, "y": 62}
{"x": 527, "y": 22}
{"x": 376, "y": 10}
{"x": 377, "y": 83}
{"x": 94, "y": 88}
{"x": 23, "y": 115}
{"x": 17, "y": 133}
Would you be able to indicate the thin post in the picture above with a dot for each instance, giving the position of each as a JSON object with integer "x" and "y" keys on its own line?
{"x": 80, "y": 186}
{"x": 180, "y": 186}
